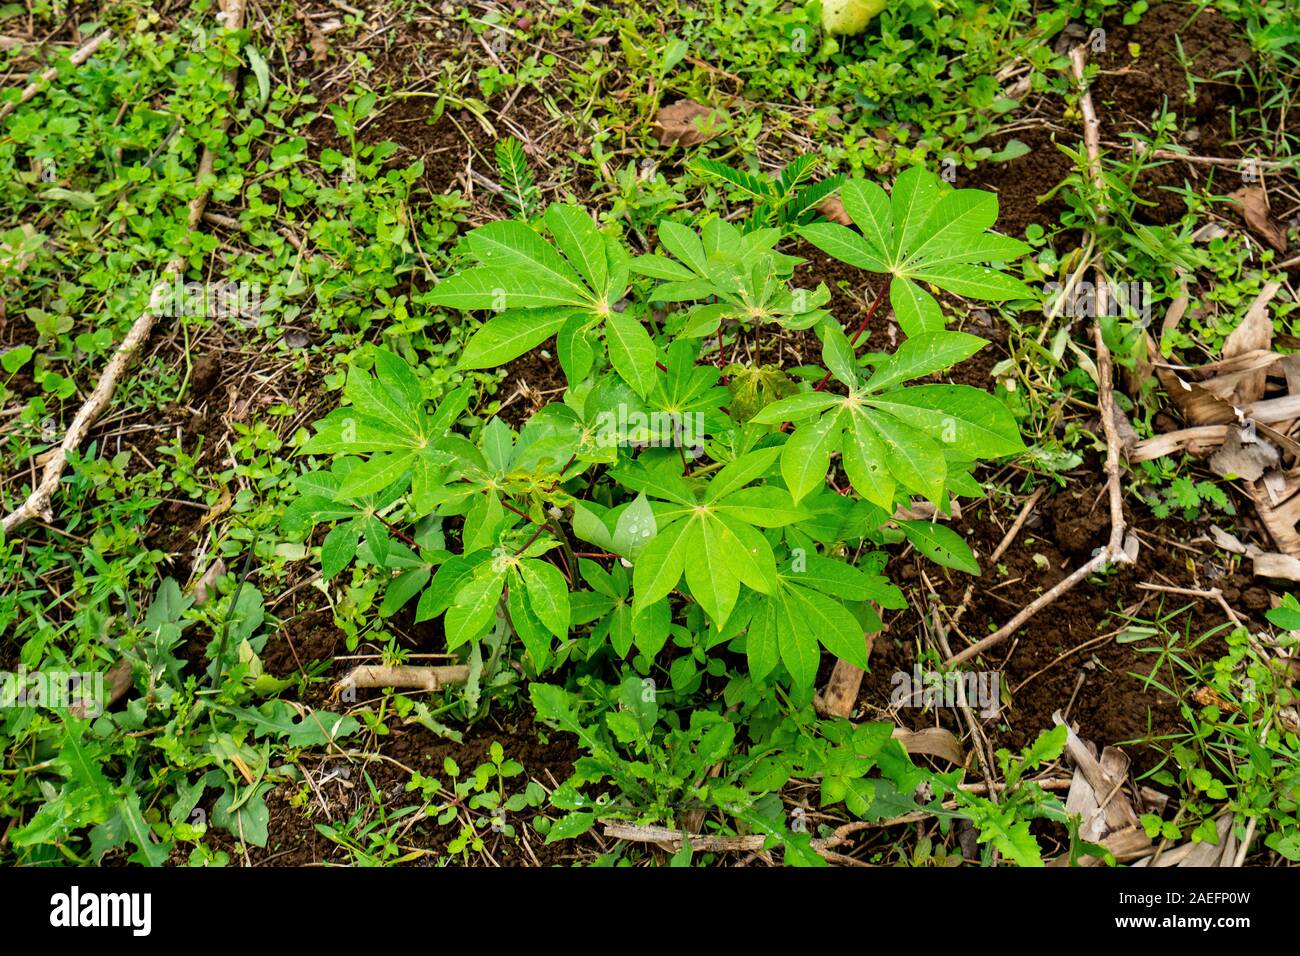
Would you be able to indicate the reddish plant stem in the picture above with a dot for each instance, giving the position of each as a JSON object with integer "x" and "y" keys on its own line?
{"x": 397, "y": 531}
{"x": 880, "y": 297}
{"x": 536, "y": 534}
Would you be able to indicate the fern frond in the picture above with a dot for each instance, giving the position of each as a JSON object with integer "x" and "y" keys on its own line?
{"x": 517, "y": 184}
{"x": 756, "y": 187}
{"x": 797, "y": 171}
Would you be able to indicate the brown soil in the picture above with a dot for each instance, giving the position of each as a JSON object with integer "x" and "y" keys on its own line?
{"x": 1022, "y": 182}
{"x": 1106, "y": 701}
{"x": 295, "y": 809}
{"x": 1130, "y": 91}
{"x": 534, "y": 379}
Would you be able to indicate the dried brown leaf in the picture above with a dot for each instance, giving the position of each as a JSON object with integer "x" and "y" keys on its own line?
{"x": 1253, "y": 204}
{"x": 833, "y": 209}
{"x": 686, "y": 123}
{"x": 1243, "y": 459}
{"x": 1254, "y": 334}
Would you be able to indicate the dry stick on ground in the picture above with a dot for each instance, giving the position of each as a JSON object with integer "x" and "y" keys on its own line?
{"x": 1113, "y": 552}
{"x": 402, "y": 676}
{"x": 706, "y": 843}
{"x": 38, "y": 502}
{"x": 842, "y": 688}
{"x": 34, "y": 87}
{"x": 1025, "y": 511}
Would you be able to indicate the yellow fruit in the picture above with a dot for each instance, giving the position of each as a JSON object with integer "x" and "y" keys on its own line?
{"x": 849, "y": 16}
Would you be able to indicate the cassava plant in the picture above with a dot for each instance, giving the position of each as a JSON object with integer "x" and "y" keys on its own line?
{"x": 654, "y": 502}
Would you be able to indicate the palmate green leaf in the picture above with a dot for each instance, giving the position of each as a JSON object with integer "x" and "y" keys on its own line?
{"x": 806, "y": 458}
{"x": 830, "y": 622}
{"x": 685, "y": 245}
{"x": 581, "y": 243}
{"x": 863, "y": 456}
{"x": 507, "y": 336}
{"x": 535, "y": 635}
{"x": 501, "y": 287}
{"x": 387, "y": 406}
{"x": 373, "y": 476}
{"x": 974, "y": 282}
{"x": 740, "y": 472}
{"x": 914, "y": 308}
{"x": 868, "y": 206}
{"x": 923, "y": 355}
{"x": 631, "y": 352}
{"x": 842, "y": 580}
{"x": 548, "y": 595}
{"x": 762, "y": 645}
{"x": 633, "y": 530}
{"x": 957, "y": 212}
{"x": 746, "y": 552}
{"x": 916, "y": 193}
{"x": 516, "y": 247}
{"x": 474, "y": 608}
{"x": 964, "y": 419}
{"x": 795, "y": 408}
{"x": 766, "y": 507}
{"x": 800, "y": 649}
{"x": 915, "y": 461}
{"x": 655, "y": 482}
{"x": 837, "y": 354}
{"x": 338, "y": 549}
{"x": 941, "y": 545}
{"x": 712, "y": 579}
{"x": 660, "y": 566}
{"x": 923, "y": 232}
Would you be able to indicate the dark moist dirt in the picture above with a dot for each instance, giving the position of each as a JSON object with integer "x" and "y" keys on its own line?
{"x": 295, "y": 809}
{"x": 1021, "y": 182}
{"x": 1128, "y": 94}
{"x": 534, "y": 379}
{"x": 1111, "y": 706}
{"x": 1130, "y": 90}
